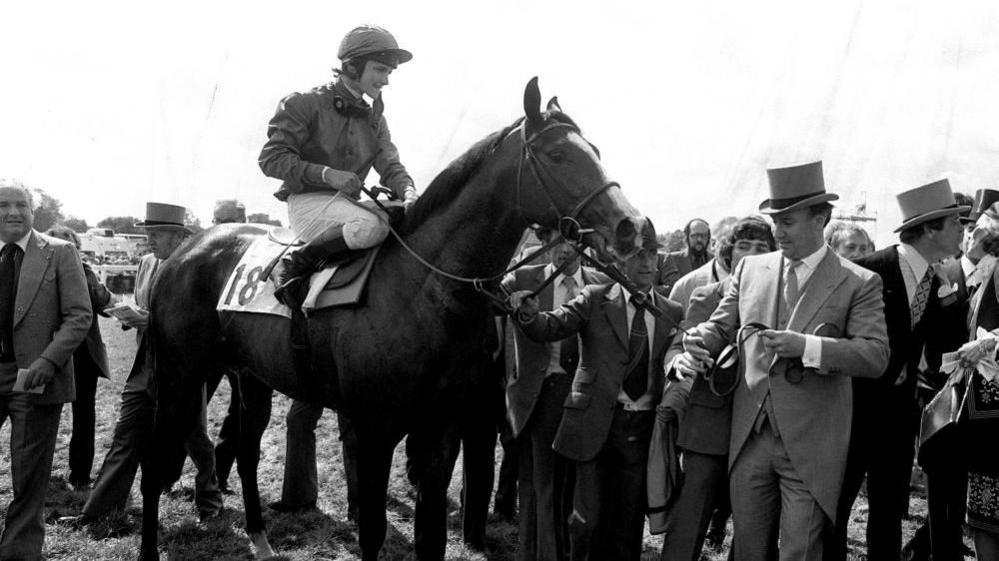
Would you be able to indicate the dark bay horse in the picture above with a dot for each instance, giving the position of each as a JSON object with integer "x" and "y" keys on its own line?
{"x": 390, "y": 363}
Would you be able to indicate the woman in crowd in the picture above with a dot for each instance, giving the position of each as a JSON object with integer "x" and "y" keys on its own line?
{"x": 90, "y": 362}
{"x": 980, "y": 417}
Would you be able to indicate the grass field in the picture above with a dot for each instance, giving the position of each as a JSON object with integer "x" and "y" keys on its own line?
{"x": 300, "y": 537}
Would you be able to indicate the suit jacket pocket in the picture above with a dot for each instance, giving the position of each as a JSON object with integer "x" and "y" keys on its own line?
{"x": 577, "y": 400}
{"x": 586, "y": 374}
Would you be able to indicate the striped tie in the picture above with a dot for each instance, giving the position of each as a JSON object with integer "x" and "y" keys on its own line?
{"x": 918, "y": 305}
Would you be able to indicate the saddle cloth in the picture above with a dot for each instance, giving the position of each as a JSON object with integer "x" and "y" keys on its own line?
{"x": 340, "y": 284}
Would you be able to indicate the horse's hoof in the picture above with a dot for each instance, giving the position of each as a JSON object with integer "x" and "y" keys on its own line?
{"x": 261, "y": 547}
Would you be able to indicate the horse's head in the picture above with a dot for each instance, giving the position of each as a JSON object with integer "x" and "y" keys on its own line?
{"x": 561, "y": 182}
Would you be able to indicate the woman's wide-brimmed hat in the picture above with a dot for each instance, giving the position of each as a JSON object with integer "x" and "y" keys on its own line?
{"x": 164, "y": 216}
{"x": 795, "y": 187}
{"x": 984, "y": 198}
{"x": 927, "y": 202}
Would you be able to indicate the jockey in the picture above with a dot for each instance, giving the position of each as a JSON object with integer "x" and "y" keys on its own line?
{"x": 322, "y": 144}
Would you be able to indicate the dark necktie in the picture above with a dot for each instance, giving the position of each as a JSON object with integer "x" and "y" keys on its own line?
{"x": 637, "y": 380}
{"x": 918, "y": 305}
{"x": 569, "y": 350}
{"x": 8, "y": 292}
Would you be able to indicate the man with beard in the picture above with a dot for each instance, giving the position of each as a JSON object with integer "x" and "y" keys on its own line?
{"x": 672, "y": 266}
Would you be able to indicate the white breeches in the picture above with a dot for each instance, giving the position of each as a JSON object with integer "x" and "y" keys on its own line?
{"x": 311, "y": 214}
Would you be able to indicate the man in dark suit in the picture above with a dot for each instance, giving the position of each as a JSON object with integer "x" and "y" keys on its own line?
{"x": 885, "y": 411}
{"x": 946, "y": 475}
{"x": 44, "y": 316}
{"x": 165, "y": 228}
{"x": 818, "y": 319}
{"x": 90, "y": 364}
{"x": 535, "y": 392}
{"x": 703, "y": 431}
{"x": 672, "y": 266}
{"x": 609, "y": 412}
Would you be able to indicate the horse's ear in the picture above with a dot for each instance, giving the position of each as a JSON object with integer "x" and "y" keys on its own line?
{"x": 554, "y": 106}
{"x": 532, "y": 104}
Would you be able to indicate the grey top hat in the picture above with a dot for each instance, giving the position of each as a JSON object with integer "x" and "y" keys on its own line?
{"x": 163, "y": 215}
{"x": 926, "y": 203}
{"x": 984, "y": 198}
{"x": 796, "y": 187}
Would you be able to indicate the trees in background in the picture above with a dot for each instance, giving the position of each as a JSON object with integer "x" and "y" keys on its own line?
{"x": 263, "y": 218}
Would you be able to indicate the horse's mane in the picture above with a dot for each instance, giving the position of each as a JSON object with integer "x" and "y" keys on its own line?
{"x": 444, "y": 189}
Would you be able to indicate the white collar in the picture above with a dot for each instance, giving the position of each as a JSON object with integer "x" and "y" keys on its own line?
{"x": 916, "y": 261}
{"x": 967, "y": 267}
{"x": 813, "y": 260}
{"x": 577, "y": 276}
{"x": 23, "y": 242}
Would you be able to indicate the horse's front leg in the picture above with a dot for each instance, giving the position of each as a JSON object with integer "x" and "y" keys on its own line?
{"x": 435, "y": 445}
{"x": 374, "y": 460}
{"x": 253, "y": 420}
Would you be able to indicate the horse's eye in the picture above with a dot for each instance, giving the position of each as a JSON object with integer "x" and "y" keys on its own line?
{"x": 557, "y": 156}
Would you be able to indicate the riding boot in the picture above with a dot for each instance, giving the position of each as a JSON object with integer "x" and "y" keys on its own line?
{"x": 307, "y": 260}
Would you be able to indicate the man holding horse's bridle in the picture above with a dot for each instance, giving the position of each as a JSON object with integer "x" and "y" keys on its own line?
{"x": 609, "y": 412}
{"x": 322, "y": 144}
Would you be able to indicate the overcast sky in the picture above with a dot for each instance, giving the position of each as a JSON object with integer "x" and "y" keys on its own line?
{"x": 107, "y": 105}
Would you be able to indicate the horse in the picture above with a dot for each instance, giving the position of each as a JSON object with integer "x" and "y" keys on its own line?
{"x": 390, "y": 363}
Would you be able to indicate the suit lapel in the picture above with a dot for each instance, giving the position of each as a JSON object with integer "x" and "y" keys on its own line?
{"x": 36, "y": 259}
{"x": 547, "y": 297}
{"x": 826, "y": 277}
{"x": 896, "y": 295}
{"x": 770, "y": 298}
{"x": 617, "y": 315}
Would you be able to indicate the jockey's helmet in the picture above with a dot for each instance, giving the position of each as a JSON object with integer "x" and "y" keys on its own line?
{"x": 372, "y": 42}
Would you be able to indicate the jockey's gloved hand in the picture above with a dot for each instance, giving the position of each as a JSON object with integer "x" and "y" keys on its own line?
{"x": 409, "y": 198}
{"x": 346, "y": 182}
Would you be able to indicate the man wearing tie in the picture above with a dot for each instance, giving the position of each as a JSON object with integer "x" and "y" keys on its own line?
{"x": 885, "y": 411}
{"x": 44, "y": 315}
{"x": 812, "y": 319}
{"x": 535, "y": 392}
{"x": 166, "y": 231}
{"x": 609, "y": 412}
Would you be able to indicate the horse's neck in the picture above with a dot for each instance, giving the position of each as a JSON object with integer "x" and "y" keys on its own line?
{"x": 477, "y": 234}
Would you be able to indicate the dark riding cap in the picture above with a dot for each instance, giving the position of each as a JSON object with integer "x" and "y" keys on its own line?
{"x": 374, "y": 43}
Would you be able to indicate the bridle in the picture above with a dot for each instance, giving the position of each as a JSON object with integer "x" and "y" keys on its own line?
{"x": 568, "y": 222}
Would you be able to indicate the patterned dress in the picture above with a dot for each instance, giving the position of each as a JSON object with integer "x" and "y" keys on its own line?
{"x": 981, "y": 424}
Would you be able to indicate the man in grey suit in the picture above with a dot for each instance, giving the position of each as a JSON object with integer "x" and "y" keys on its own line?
{"x": 609, "y": 412}
{"x": 819, "y": 319}
{"x": 535, "y": 392}
{"x": 44, "y": 315}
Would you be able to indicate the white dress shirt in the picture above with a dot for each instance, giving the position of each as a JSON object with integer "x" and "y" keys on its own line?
{"x": 812, "y": 355}
{"x": 559, "y": 297}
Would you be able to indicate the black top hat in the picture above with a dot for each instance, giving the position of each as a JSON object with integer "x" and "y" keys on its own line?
{"x": 925, "y": 203}
{"x": 163, "y": 215}
{"x": 984, "y": 198}
{"x": 796, "y": 187}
